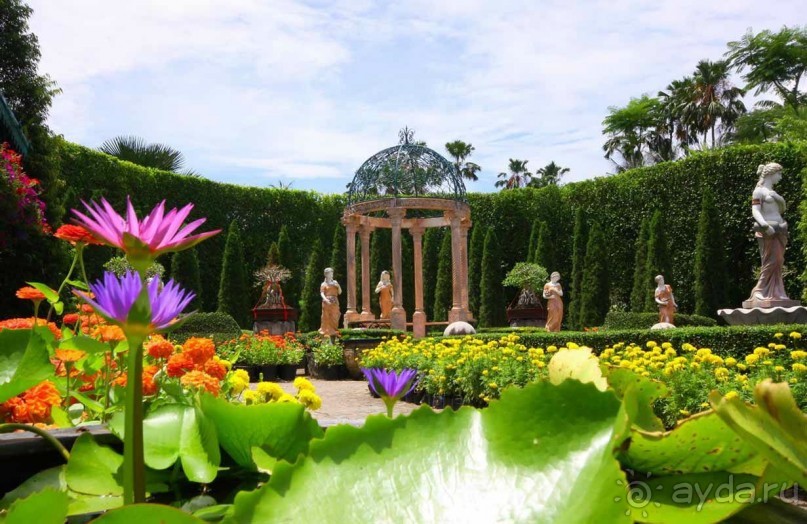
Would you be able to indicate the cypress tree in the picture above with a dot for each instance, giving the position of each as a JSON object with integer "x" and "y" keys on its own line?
{"x": 475, "y": 267}
{"x": 273, "y": 257}
{"x": 580, "y": 239}
{"x": 533, "y": 246}
{"x": 310, "y": 299}
{"x": 185, "y": 271}
{"x": 657, "y": 258}
{"x": 595, "y": 299}
{"x": 641, "y": 281}
{"x": 492, "y": 303}
{"x": 288, "y": 259}
{"x": 544, "y": 254}
{"x": 380, "y": 260}
{"x": 444, "y": 287}
{"x": 431, "y": 253}
{"x": 233, "y": 290}
{"x": 710, "y": 266}
{"x": 408, "y": 276}
{"x": 338, "y": 258}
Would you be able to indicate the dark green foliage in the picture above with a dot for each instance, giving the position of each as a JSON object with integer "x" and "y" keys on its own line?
{"x": 205, "y": 324}
{"x": 631, "y": 320}
{"x": 492, "y": 302}
{"x": 338, "y": 258}
{"x": 273, "y": 257}
{"x": 477, "y": 246}
{"x": 658, "y": 258}
{"x": 534, "y": 235}
{"x": 380, "y": 260}
{"x": 595, "y": 299}
{"x": 734, "y": 341}
{"x": 641, "y": 281}
{"x": 185, "y": 271}
{"x": 289, "y": 260}
{"x": 135, "y": 150}
{"x": 710, "y": 268}
{"x": 311, "y": 301}
{"x": 544, "y": 254}
{"x": 580, "y": 236}
{"x": 444, "y": 289}
{"x": 234, "y": 298}
{"x": 431, "y": 259}
{"x": 408, "y": 273}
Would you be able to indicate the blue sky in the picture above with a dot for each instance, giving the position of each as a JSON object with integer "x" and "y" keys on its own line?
{"x": 256, "y": 92}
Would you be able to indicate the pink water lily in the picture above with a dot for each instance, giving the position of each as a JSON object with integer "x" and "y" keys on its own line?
{"x": 157, "y": 233}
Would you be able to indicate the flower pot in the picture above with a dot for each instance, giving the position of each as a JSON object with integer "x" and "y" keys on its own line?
{"x": 269, "y": 372}
{"x": 456, "y": 402}
{"x": 439, "y": 401}
{"x": 287, "y": 372}
{"x": 323, "y": 372}
{"x": 352, "y": 362}
{"x": 342, "y": 372}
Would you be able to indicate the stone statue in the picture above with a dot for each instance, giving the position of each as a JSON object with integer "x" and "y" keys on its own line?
{"x": 330, "y": 290}
{"x": 553, "y": 293}
{"x": 770, "y": 230}
{"x": 665, "y": 301}
{"x": 385, "y": 290}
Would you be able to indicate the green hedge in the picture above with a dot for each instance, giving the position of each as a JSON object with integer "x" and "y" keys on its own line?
{"x": 631, "y": 320}
{"x": 218, "y": 326}
{"x": 618, "y": 203}
{"x": 724, "y": 341}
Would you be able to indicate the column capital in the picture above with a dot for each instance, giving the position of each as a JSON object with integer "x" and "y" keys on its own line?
{"x": 365, "y": 230}
{"x": 396, "y": 214}
{"x": 351, "y": 222}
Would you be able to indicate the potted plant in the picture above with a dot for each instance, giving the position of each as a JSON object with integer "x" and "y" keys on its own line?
{"x": 526, "y": 310}
{"x": 291, "y": 354}
{"x": 325, "y": 360}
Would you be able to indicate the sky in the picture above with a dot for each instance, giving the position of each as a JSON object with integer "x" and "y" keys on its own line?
{"x": 302, "y": 92}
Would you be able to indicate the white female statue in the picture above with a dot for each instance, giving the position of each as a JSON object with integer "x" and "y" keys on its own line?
{"x": 553, "y": 293}
{"x": 330, "y": 290}
{"x": 665, "y": 301}
{"x": 770, "y": 230}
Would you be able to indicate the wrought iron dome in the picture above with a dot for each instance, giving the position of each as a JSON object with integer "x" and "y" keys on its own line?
{"x": 406, "y": 170}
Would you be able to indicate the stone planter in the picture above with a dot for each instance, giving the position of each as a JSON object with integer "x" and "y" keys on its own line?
{"x": 526, "y": 316}
{"x": 353, "y": 350}
{"x": 322, "y": 372}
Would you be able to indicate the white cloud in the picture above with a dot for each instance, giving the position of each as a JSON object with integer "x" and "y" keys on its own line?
{"x": 307, "y": 90}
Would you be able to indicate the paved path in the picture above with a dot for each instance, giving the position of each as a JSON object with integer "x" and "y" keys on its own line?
{"x": 347, "y": 402}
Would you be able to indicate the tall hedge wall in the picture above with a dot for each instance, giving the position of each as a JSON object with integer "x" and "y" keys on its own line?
{"x": 618, "y": 203}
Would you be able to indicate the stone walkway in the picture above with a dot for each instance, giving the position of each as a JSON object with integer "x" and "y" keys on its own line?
{"x": 347, "y": 402}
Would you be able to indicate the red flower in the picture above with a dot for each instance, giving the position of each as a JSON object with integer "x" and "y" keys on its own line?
{"x": 200, "y": 350}
{"x": 215, "y": 368}
{"x": 76, "y": 235}
{"x": 30, "y": 293}
{"x": 70, "y": 319}
{"x": 159, "y": 348}
{"x": 179, "y": 364}
{"x": 28, "y": 323}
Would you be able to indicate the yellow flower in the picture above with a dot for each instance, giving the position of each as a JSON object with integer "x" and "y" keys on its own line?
{"x": 237, "y": 385}
{"x": 730, "y": 362}
{"x": 309, "y": 399}
{"x": 493, "y": 385}
{"x": 551, "y": 349}
{"x": 780, "y": 347}
{"x": 302, "y": 383}
{"x": 270, "y": 391}
{"x": 798, "y": 354}
{"x": 572, "y": 345}
{"x": 286, "y": 398}
{"x": 778, "y": 335}
{"x": 731, "y": 395}
{"x": 684, "y": 412}
{"x": 741, "y": 367}
{"x": 751, "y": 359}
{"x": 251, "y": 397}
{"x": 704, "y": 404}
{"x": 651, "y": 344}
{"x": 799, "y": 368}
{"x": 722, "y": 374}
{"x": 795, "y": 335}
{"x": 242, "y": 374}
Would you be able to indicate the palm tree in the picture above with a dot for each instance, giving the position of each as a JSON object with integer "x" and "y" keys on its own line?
{"x": 460, "y": 151}
{"x": 714, "y": 101}
{"x": 517, "y": 177}
{"x": 671, "y": 133}
{"x": 627, "y": 130}
{"x": 135, "y": 150}
{"x": 548, "y": 175}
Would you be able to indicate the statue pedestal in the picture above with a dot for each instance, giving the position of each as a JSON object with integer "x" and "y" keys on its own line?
{"x": 277, "y": 321}
{"x": 754, "y": 316}
{"x": 768, "y": 303}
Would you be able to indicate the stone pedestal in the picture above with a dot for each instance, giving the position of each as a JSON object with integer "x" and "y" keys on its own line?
{"x": 769, "y": 303}
{"x": 764, "y": 316}
{"x": 276, "y": 321}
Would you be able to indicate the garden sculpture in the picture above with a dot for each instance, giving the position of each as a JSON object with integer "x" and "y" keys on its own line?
{"x": 553, "y": 293}
{"x": 385, "y": 290}
{"x": 330, "y": 290}
{"x": 770, "y": 230}
{"x": 665, "y": 301}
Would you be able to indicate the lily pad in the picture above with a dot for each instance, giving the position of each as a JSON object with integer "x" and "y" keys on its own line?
{"x": 533, "y": 456}
{"x": 646, "y": 391}
{"x": 24, "y": 362}
{"x": 92, "y": 468}
{"x": 48, "y": 506}
{"x": 147, "y": 513}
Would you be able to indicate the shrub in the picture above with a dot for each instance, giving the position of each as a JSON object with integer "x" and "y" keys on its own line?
{"x": 658, "y": 258}
{"x": 327, "y": 354}
{"x": 120, "y": 266}
{"x": 595, "y": 299}
{"x": 632, "y": 320}
{"x": 233, "y": 290}
{"x": 641, "y": 281}
{"x": 474, "y": 268}
{"x": 578, "y": 266}
{"x": 217, "y": 322}
{"x": 492, "y": 307}
{"x": 533, "y": 246}
{"x": 710, "y": 269}
{"x": 431, "y": 260}
{"x": 311, "y": 301}
{"x": 185, "y": 271}
{"x": 338, "y": 258}
{"x": 443, "y": 288}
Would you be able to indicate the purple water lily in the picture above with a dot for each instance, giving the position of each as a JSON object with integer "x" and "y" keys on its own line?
{"x": 114, "y": 298}
{"x": 157, "y": 233}
{"x": 389, "y": 385}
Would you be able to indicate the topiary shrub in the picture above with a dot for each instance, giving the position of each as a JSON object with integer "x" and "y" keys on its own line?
{"x": 218, "y": 326}
{"x": 443, "y": 289}
{"x": 644, "y": 320}
{"x": 311, "y": 301}
{"x": 233, "y": 290}
{"x": 595, "y": 292}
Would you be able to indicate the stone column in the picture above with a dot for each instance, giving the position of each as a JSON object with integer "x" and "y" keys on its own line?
{"x": 419, "y": 316}
{"x": 366, "y": 310}
{"x": 351, "y": 315}
{"x": 398, "y": 314}
{"x": 466, "y": 307}
{"x": 455, "y": 314}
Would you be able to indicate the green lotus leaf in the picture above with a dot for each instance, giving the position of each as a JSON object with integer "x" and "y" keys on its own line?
{"x": 646, "y": 390}
{"x": 92, "y": 468}
{"x": 147, "y": 513}
{"x": 533, "y": 456}
{"x": 48, "y": 506}
{"x": 24, "y": 361}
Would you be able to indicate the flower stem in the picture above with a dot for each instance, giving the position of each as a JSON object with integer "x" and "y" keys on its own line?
{"x": 67, "y": 392}
{"x": 80, "y": 255}
{"x": 5, "y": 428}
{"x": 134, "y": 479}
{"x": 64, "y": 282}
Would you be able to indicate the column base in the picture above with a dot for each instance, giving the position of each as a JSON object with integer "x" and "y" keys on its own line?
{"x": 398, "y": 318}
{"x": 350, "y": 316}
{"x": 419, "y": 324}
{"x": 367, "y": 315}
{"x": 459, "y": 315}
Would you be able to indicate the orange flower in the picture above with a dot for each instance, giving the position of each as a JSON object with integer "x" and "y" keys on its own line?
{"x": 108, "y": 333}
{"x": 70, "y": 319}
{"x": 215, "y": 368}
{"x": 120, "y": 380}
{"x": 201, "y": 380}
{"x": 200, "y": 350}
{"x": 159, "y": 348}
{"x": 33, "y": 406}
{"x": 30, "y": 293}
{"x": 76, "y": 235}
{"x": 28, "y": 323}
{"x": 179, "y": 364}
{"x": 149, "y": 386}
{"x": 86, "y": 308}
{"x": 69, "y": 355}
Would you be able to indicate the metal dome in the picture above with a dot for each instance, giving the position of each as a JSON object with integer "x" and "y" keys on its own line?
{"x": 406, "y": 170}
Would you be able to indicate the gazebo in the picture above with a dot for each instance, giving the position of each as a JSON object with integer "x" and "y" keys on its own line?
{"x": 412, "y": 187}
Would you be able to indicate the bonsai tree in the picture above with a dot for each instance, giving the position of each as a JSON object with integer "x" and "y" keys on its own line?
{"x": 529, "y": 278}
